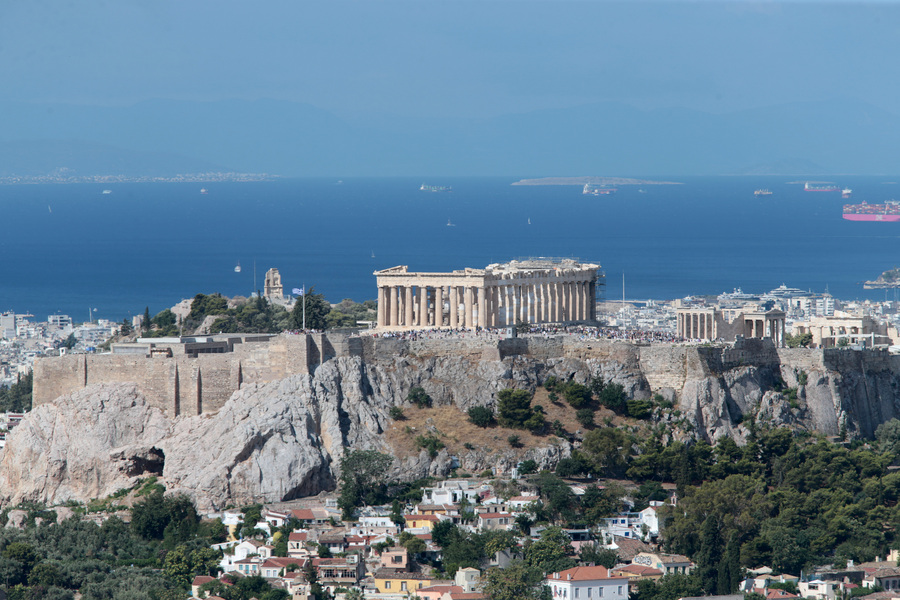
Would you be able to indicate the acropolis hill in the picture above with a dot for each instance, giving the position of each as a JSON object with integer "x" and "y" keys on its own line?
{"x": 244, "y": 418}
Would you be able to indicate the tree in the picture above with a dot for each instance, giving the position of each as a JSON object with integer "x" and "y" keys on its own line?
{"x": 316, "y": 307}
{"x": 515, "y": 409}
{"x": 69, "y": 342}
{"x": 518, "y": 581}
{"x": 527, "y": 467}
{"x": 585, "y": 417}
{"x": 145, "y": 323}
{"x": 177, "y": 567}
{"x": 577, "y": 395}
{"x": 418, "y": 396}
{"x": 125, "y": 328}
{"x": 613, "y": 397}
{"x": 362, "y": 478}
{"x": 888, "y": 436}
{"x": 607, "y": 450}
{"x": 551, "y": 552}
{"x": 481, "y": 416}
{"x": 596, "y": 555}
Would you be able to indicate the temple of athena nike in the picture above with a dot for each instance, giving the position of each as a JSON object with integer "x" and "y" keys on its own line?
{"x": 541, "y": 290}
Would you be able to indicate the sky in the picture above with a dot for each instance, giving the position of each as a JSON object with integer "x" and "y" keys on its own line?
{"x": 451, "y": 59}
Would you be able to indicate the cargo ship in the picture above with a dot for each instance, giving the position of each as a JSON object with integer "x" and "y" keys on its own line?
{"x": 846, "y": 192}
{"x": 889, "y": 211}
{"x": 762, "y": 193}
{"x": 435, "y": 188}
{"x": 825, "y": 187}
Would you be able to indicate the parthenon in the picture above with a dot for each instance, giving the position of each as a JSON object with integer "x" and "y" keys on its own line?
{"x": 541, "y": 290}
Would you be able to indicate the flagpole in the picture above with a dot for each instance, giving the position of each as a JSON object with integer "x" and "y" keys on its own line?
{"x": 304, "y": 306}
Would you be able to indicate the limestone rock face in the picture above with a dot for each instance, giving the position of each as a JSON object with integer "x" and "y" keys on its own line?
{"x": 81, "y": 447}
{"x": 284, "y": 439}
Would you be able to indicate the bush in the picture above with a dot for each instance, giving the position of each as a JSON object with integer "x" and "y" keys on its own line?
{"x": 431, "y": 443}
{"x": 482, "y": 416}
{"x": 527, "y": 467}
{"x": 577, "y": 395}
{"x": 551, "y": 383}
{"x": 585, "y": 417}
{"x": 514, "y": 407}
{"x": 638, "y": 409}
{"x": 613, "y": 397}
{"x": 419, "y": 397}
{"x": 514, "y": 441}
{"x": 396, "y": 413}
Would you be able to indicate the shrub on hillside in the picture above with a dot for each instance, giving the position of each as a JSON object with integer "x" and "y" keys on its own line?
{"x": 418, "y": 396}
{"x": 577, "y": 395}
{"x": 482, "y": 416}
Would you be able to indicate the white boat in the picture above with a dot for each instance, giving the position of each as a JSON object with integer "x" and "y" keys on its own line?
{"x": 529, "y": 221}
{"x": 237, "y": 268}
{"x": 107, "y": 191}
{"x": 450, "y": 223}
{"x": 204, "y": 191}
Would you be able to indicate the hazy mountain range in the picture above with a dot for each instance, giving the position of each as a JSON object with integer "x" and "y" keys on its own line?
{"x": 292, "y": 139}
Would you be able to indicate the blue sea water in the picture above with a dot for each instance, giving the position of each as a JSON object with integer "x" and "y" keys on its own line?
{"x": 70, "y": 248}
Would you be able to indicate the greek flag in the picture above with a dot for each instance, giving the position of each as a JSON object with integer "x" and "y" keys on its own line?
{"x": 297, "y": 291}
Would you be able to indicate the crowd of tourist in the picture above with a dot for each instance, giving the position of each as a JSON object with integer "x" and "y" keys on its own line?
{"x": 583, "y": 332}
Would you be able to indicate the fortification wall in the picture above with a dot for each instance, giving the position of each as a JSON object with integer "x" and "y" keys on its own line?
{"x": 664, "y": 366}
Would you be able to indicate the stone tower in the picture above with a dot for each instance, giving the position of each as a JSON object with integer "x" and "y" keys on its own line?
{"x": 273, "y": 289}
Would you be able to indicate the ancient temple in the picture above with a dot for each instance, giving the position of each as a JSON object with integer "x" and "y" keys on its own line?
{"x": 542, "y": 290}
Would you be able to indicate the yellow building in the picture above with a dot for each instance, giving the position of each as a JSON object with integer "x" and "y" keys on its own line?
{"x": 421, "y": 521}
{"x": 399, "y": 582}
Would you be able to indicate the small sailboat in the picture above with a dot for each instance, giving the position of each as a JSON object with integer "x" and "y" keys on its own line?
{"x": 237, "y": 268}
{"x": 450, "y": 223}
{"x": 529, "y": 221}
{"x": 204, "y": 191}
{"x": 373, "y": 254}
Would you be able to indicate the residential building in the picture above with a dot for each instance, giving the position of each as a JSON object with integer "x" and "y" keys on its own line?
{"x": 587, "y": 583}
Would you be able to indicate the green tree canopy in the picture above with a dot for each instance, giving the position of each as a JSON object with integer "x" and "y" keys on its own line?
{"x": 362, "y": 479}
{"x": 316, "y": 309}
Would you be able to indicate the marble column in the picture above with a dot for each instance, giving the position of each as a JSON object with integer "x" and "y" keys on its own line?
{"x": 381, "y": 296}
{"x": 394, "y": 306}
{"x": 469, "y": 307}
{"x": 454, "y": 307}
{"x": 439, "y": 306}
{"x": 408, "y": 306}
{"x": 554, "y": 302}
{"x": 422, "y": 293}
{"x": 482, "y": 307}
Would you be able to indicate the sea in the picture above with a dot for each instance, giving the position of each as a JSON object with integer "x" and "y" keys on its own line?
{"x": 71, "y": 249}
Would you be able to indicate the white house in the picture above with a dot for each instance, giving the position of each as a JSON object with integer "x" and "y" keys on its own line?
{"x": 450, "y": 492}
{"x": 587, "y": 583}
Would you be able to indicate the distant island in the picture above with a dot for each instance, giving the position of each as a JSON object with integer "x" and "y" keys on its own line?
{"x": 888, "y": 279}
{"x": 591, "y": 181}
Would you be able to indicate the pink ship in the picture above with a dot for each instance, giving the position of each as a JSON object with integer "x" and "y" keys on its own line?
{"x": 889, "y": 211}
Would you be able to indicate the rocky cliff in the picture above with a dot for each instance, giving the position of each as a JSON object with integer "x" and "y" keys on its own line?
{"x": 284, "y": 439}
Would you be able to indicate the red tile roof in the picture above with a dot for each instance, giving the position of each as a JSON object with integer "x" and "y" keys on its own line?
{"x": 582, "y": 574}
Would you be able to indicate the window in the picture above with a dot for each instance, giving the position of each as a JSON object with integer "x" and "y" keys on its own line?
{"x": 576, "y": 591}
{"x": 589, "y": 592}
{"x": 402, "y": 586}
{"x": 620, "y": 590}
{"x": 599, "y": 592}
{"x": 387, "y": 585}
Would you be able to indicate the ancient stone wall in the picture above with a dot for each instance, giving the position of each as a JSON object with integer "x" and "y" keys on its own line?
{"x": 664, "y": 365}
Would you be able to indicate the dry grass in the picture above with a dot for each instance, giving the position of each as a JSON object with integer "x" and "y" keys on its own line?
{"x": 452, "y": 426}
